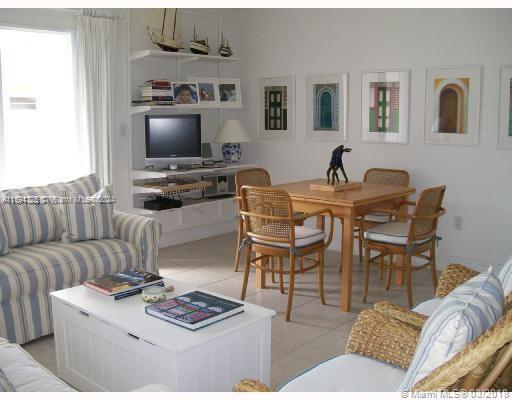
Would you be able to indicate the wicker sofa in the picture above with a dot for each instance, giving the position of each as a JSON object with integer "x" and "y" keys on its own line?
{"x": 38, "y": 263}
{"x": 382, "y": 344}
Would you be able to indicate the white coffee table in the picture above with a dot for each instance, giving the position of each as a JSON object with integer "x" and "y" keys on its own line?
{"x": 109, "y": 345}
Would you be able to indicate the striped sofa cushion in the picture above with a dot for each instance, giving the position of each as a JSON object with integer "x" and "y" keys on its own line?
{"x": 52, "y": 266}
{"x": 4, "y": 244}
{"x": 505, "y": 276}
{"x": 462, "y": 316}
{"x": 5, "y": 383}
{"x": 36, "y": 223}
{"x": 87, "y": 218}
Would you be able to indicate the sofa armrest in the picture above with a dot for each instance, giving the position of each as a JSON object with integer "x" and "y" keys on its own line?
{"x": 143, "y": 233}
{"x": 412, "y": 318}
{"x": 250, "y": 385}
{"x": 383, "y": 338}
{"x": 453, "y": 275}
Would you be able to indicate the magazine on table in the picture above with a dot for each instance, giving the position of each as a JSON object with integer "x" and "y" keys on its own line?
{"x": 194, "y": 310}
{"x": 123, "y": 282}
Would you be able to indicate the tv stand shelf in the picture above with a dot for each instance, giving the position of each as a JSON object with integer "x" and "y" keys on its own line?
{"x": 176, "y": 189}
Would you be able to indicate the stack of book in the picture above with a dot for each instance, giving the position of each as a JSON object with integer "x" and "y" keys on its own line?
{"x": 156, "y": 92}
{"x": 124, "y": 284}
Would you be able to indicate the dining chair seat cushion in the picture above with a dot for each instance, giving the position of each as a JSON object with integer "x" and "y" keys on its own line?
{"x": 304, "y": 236}
{"x": 505, "y": 276}
{"x": 392, "y": 233}
{"x": 428, "y": 307}
{"x": 347, "y": 373}
{"x": 463, "y": 315}
{"x": 378, "y": 217}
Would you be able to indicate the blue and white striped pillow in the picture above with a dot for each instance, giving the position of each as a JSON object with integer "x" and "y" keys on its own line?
{"x": 4, "y": 243}
{"x": 505, "y": 276}
{"x": 38, "y": 222}
{"x": 464, "y": 314}
{"x": 88, "y": 218}
{"x": 5, "y": 383}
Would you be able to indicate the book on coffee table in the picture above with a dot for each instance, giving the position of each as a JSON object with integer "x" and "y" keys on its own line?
{"x": 124, "y": 282}
{"x": 194, "y": 310}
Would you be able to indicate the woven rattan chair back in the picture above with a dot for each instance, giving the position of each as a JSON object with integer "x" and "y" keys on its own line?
{"x": 384, "y": 176}
{"x": 270, "y": 213}
{"x": 424, "y": 224}
{"x": 491, "y": 351}
{"x": 251, "y": 177}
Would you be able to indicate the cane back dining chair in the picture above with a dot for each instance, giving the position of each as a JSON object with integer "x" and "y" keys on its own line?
{"x": 272, "y": 230}
{"x": 382, "y": 176}
{"x": 407, "y": 239}
{"x": 248, "y": 177}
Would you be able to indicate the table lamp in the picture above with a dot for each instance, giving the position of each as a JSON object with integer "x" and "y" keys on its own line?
{"x": 231, "y": 134}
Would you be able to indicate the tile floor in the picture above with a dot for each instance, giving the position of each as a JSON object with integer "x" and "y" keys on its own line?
{"x": 316, "y": 331}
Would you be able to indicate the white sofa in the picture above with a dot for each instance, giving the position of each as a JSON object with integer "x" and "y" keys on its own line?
{"x": 27, "y": 375}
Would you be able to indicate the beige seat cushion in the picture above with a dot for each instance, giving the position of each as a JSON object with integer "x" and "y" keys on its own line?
{"x": 304, "y": 236}
{"x": 392, "y": 233}
{"x": 377, "y": 217}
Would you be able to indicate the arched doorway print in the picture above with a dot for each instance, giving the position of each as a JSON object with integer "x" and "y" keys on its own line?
{"x": 448, "y": 110}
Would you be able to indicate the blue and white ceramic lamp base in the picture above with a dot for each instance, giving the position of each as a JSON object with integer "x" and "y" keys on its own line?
{"x": 232, "y": 151}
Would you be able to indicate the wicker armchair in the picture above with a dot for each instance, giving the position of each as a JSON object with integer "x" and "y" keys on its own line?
{"x": 272, "y": 231}
{"x": 483, "y": 364}
{"x": 382, "y": 176}
{"x": 407, "y": 240}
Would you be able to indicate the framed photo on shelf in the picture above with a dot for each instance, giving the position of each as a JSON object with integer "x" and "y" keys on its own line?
{"x": 452, "y": 105}
{"x": 230, "y": 94}
{"x": 276, "y": 111}
{"x": 326, "y": 107}
{"x": 385, "y": 106}
{"x": 185, "y": 94}
{"x": 505, "y": 133}
{"x": 208, "y": 91}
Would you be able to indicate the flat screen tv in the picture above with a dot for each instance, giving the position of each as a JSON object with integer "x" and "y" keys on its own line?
{"x": 173, "y": 139}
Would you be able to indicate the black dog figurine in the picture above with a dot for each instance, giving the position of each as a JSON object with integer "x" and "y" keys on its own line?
{"x": 337, "y": 162}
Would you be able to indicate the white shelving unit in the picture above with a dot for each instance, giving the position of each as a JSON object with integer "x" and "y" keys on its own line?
{"x": 198, "y": 217}
{"x": 183, "y": 57}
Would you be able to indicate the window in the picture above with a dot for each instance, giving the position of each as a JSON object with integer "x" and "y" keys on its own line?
{"x": 39, "y": 139}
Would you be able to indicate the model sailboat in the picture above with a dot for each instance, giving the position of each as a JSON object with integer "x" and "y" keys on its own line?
{"x": 166, "y": 37}
{"x": 225, "y": 48}
{"x": 199, "y": 46}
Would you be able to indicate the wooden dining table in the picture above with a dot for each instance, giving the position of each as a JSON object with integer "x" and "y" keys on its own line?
{"x": 346, "y": 205}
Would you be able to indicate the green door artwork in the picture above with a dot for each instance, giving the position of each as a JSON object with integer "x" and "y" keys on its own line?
{"x": 275, "y": 108}
{"x": 326, "y": 111}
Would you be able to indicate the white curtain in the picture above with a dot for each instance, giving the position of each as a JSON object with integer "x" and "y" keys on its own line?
{"x": 95, "y": 49}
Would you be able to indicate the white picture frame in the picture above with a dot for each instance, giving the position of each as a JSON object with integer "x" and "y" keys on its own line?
{"x": 452, "y": 105}
{"x": 277, "y": 121}
{"x": 505, "y": 127}
{"x": 208, "y": 91}
{"x": 230, "y": 93}
{"x": 385, "y": 106}
{"x": 178, "y": 94}
{"x": 326, "y": 107}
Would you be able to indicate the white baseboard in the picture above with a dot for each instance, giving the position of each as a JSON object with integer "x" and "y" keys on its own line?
{"x": 197, "y": 233}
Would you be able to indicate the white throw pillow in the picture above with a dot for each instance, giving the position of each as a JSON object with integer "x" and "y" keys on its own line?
{"x": 505, "y": 277}
{"x": 463, "y": 315}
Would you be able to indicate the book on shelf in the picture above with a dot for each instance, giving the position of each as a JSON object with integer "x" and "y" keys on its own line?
{"x": 155, "y": 87}
{"x": 122, "y": 282}
{"x": 195, "y": 310}
{"x": 157, "y": 98}
{"x": 166, "y": 93}
{"x": 152, "y": 103}
{"x": 158, "y": 82}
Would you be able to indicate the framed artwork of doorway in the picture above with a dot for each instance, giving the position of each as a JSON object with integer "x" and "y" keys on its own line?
{"x": 276, "y": 115}
{"x": 326, "y": 107}
{"x": 452, "y": 105}
{"x": 385, "y": 106}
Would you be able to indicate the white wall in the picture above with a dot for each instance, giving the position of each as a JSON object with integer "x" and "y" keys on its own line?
{"x": 302, "y": 42}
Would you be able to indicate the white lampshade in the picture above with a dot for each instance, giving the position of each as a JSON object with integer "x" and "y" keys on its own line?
{"x": 232, "y": 131}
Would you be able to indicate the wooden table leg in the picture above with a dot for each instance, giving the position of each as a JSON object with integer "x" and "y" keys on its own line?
{"x": 260, "y": 274}
{"x": 399, "y": 275}
{"x": 347, "y": 254}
